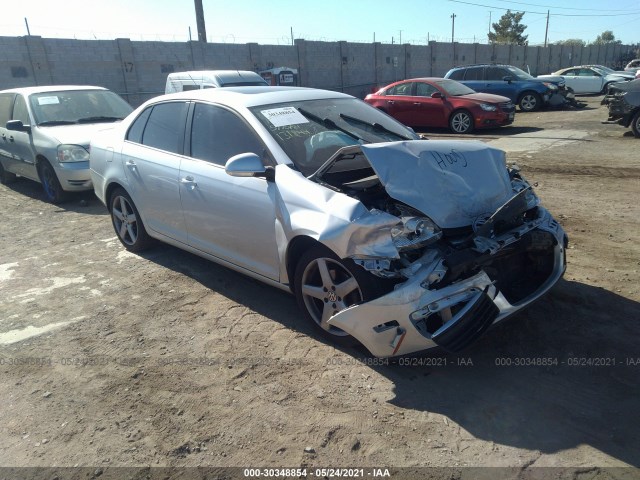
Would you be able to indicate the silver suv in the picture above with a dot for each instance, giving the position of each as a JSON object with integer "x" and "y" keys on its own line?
{"x": 45, "y": 134}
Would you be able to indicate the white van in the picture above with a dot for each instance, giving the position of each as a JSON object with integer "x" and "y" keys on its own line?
{"x": 195, "y": 80}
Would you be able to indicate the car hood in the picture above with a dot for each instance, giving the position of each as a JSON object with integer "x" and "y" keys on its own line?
{"x": 74, "y": 134}
{"x": 452, "y": 182}
{"x": 484, "y": 97}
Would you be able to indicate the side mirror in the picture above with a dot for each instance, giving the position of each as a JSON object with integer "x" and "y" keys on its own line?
{"x": 18, "y": 126}
{"x": 248, "y": 165}
{"x": 436, "y": 95}
{"x": 507, "y": 78}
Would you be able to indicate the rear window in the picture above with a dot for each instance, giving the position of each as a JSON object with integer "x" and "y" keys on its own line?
{"x": 474, "y": 73}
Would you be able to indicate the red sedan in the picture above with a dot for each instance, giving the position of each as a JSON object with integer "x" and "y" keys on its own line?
{"x": 440, "y": 102}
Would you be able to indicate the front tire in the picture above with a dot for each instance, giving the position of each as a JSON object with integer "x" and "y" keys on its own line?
{"x": 325, "y": 285}
{"x": 127, "y": 222}
{"x": 6, "y": 177}
{"x": 635, "y": 124}
{"x": 50, "y": 183}
{"x": 530, "y": 102}
{"x": 461, "y": 121}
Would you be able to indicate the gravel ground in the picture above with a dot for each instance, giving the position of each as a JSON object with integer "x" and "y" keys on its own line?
{"x": 164, "y": 359}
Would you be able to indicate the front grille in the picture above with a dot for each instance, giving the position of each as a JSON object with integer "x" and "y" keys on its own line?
{"x": 507, "y": 107}
{"x": 465, "y": 329}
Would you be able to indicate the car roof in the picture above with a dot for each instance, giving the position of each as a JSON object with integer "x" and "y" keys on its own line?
{"x": 50, "y": 88}
{"x": 252, "y": 96}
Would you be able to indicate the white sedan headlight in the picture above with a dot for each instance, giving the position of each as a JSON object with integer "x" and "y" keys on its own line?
{"x": 72, "y": 153}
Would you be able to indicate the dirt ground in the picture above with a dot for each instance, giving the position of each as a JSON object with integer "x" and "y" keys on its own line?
{"x": 113, "y": 359}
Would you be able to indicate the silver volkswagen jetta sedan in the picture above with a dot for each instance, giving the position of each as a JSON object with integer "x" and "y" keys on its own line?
{"x": 400, "y": 243}
{"x": 45, "y": 133}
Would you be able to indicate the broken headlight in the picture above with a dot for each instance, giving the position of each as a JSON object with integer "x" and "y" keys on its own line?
{"x": 415, "y": 232}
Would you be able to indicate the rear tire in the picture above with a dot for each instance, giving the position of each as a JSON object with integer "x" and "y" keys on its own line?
{"x": 127, "y": 222}
{"x": 635, "y": 124}
{"x": 530, "y": 102}
{"x": 6, "y": 177}
{"x": 50, "y": 183}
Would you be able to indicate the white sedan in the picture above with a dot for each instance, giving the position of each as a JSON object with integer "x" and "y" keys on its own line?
{"x": 588, "y": 79}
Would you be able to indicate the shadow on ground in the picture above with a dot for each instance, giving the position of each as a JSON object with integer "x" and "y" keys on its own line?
{"x": 564, "y": 372}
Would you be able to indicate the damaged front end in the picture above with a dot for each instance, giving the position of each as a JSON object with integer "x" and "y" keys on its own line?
{"x": 471, "y": 244}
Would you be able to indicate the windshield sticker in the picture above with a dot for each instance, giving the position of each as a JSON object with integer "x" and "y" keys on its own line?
{"x": 48, "y": 100}
{"x": 285, "y": 116}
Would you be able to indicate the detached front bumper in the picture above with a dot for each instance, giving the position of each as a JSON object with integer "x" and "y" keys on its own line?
{"x": 414, "y": 317}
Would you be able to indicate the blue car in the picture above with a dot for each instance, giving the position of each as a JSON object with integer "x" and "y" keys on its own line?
{"x": 527, "y": 92}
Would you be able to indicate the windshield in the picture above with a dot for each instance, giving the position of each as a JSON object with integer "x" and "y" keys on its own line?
{"x": 311, "y": 131}
{"x": 454, "y": 89}
{"x": 78, "y": 106}
{"x": 521, "y": 74}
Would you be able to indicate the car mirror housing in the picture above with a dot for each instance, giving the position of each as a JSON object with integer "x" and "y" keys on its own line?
{"x": 436, "y": 95}
{"x": 18, "y": 126}
{"x": 246, "y": 165}
{"x": 507, "y": 78}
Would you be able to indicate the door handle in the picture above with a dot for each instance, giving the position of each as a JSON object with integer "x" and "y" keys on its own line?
{"x": 417, "y": 103}
{"x": 391, "y": 102}
{"x": 189, "y": 182}
{"x": 131, "y": 164}
{"x": 11, "y": 138}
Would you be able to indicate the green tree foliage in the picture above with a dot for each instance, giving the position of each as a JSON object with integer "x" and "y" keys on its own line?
{"x": 606, "y": 37}
{"x": 572, "y": 42}
{"x": 509, "y": 30}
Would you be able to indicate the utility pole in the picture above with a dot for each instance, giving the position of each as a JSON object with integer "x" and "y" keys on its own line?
{"x": 453, "y": 25}
{"x": 202, "y": 32}
{"x": 489, "y": 21}
{"x": 400, "y": 42}
{"x": 291, "y": 35}
{"x": 546, "y": 32}
{"x": 27, "y": 24}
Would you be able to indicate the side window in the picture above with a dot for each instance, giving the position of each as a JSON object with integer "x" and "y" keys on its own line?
{"x": 165, "y": 127}
{"x": 474, "y": 73}
{"x": 6, "y": 99}
{"x": 136, "y": 129}
{"x": 495, "y": 73}
{"x": 218, "y": 134}
{"x": 20, "y": 111}
{"x": 570, "y": 73}
{"x": 424, "y": 89}
{"x": 457, "y": 74}
{"x": 402, "y": 89}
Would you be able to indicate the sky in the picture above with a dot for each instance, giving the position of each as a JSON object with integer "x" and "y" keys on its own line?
{"x": 271, "y": 22}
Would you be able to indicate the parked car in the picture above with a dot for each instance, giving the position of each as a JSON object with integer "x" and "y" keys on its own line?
{"x": 197, "y": 80}
{"x": 400, "y": 243}
{"x": 588, "y": 79}
{"x": 524, "y": 90}
{"x": 440, "y": 102}
{"x": 610, "y": 70}
{"x": 633, "y": 65}
{"x": 623, "y": 101}
{"x": 45, "y": 133}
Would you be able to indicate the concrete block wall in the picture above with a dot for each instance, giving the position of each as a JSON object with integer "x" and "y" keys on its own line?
{"x": 138, "y": 70}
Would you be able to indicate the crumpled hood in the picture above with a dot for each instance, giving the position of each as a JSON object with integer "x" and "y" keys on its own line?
{"x": 452, "y": 182}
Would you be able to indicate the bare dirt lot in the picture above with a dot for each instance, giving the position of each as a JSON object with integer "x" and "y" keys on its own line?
{"x": 113, "y": 359}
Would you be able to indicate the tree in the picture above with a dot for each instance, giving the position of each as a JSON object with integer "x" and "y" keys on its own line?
{"x": 509, "y": 30}
{"x": 572, "y": 42}
{"x": 606, "y": 37}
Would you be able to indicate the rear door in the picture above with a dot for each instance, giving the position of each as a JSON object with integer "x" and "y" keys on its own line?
{"x": 151, "y": 157}
{"x": 399, "y": 102}
{"x": 7, "y": 146}
{"x": 229, "y": 217}
{"x": 474, "y": 79}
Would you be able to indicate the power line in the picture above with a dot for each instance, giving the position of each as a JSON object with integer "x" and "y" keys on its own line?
{"x": 553, "y": 14}
{"x": 564, "y": 8}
